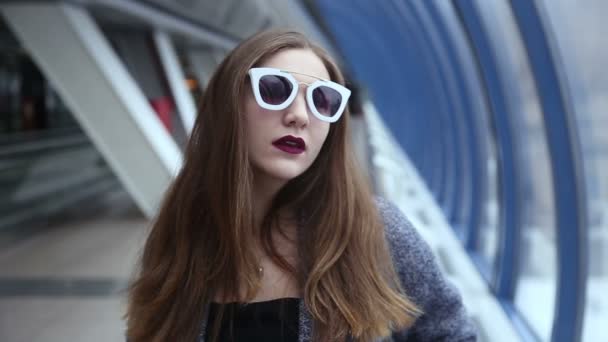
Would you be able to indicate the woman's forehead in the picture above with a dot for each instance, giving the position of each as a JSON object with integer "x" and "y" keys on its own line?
{"x": 302, "y": 61}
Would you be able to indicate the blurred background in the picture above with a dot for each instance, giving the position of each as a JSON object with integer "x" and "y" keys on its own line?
{"x": 484, "y": 121}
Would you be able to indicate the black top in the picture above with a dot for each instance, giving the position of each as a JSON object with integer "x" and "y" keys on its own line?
{"x": 273, "y": 320}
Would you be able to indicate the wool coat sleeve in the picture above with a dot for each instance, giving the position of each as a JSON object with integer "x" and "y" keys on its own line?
{"x": 444, "y": 317}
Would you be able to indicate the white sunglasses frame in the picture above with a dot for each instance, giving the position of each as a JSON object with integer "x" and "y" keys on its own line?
{"x": 256, "y": 74}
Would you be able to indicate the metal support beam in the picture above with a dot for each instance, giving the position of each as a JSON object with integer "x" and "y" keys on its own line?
{"x": 166, "y": 22}
{"x": 68, "y": 46}
{"x": 176, "y": 79}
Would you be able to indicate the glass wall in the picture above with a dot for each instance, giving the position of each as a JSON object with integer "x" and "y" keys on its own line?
{"x": 485, "y": 179}
{"x": 536, "y": 281}
{"x": 489, "y": 233}
{"x": 580, "y": 34}
{"x": 28, "y": 102}
{"x": 47, "y": 162}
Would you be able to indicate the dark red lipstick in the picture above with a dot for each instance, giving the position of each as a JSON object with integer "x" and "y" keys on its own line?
{"x": 290, "y": 144}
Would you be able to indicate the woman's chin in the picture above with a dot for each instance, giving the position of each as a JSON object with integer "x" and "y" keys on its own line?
{"x": 280, "y": 174}
{"x": 284, "y": 175}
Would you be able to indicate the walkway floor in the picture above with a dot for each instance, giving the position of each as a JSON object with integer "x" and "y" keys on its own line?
{"x": 65, "y": 283}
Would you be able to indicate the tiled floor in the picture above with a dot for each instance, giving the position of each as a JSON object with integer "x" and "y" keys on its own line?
{"x": 66, "y": 282}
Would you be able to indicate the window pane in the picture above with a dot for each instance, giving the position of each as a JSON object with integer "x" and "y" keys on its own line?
{"x": 487, "y": 241}
{"x": 537, "y": 278}
{"x": 489, "y": 225}
{"x": 580, "y": 32}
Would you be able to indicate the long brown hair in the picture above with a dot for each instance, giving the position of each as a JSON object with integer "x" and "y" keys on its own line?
{"x": 200, "y": 243}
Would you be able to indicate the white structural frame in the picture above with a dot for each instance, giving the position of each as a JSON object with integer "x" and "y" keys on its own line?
{"x": 75, "y": 56}
{"x": 176, "y": 78}
{"x": 165, "y": 22}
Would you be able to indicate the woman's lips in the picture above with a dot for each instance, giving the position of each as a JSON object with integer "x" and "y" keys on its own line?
{"x": 289, "y": 149}
{"x": 290, "y": 144}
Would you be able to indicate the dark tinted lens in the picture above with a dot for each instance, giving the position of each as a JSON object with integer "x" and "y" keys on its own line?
{"x": 275, "y": 89}
{"x": 326, "y": 100}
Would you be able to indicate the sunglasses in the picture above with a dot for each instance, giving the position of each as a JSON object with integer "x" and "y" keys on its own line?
{"x": 275, "y": 89}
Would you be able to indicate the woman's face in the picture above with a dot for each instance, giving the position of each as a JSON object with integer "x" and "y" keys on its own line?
{"x": 270, "y": 152}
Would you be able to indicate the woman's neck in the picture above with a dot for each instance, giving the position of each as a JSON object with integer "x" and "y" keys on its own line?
{"x": 264, "y": 191}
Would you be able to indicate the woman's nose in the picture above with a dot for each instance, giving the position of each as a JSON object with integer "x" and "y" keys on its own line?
{"x": 297, "y": 112}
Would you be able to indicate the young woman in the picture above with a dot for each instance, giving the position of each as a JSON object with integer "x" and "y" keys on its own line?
{"x": 270, "y": 233}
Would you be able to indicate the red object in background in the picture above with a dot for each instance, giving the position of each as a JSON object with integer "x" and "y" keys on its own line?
{"x": 164, "y": 108}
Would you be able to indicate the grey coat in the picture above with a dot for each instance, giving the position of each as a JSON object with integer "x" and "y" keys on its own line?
{"x": 444, "y": 317}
